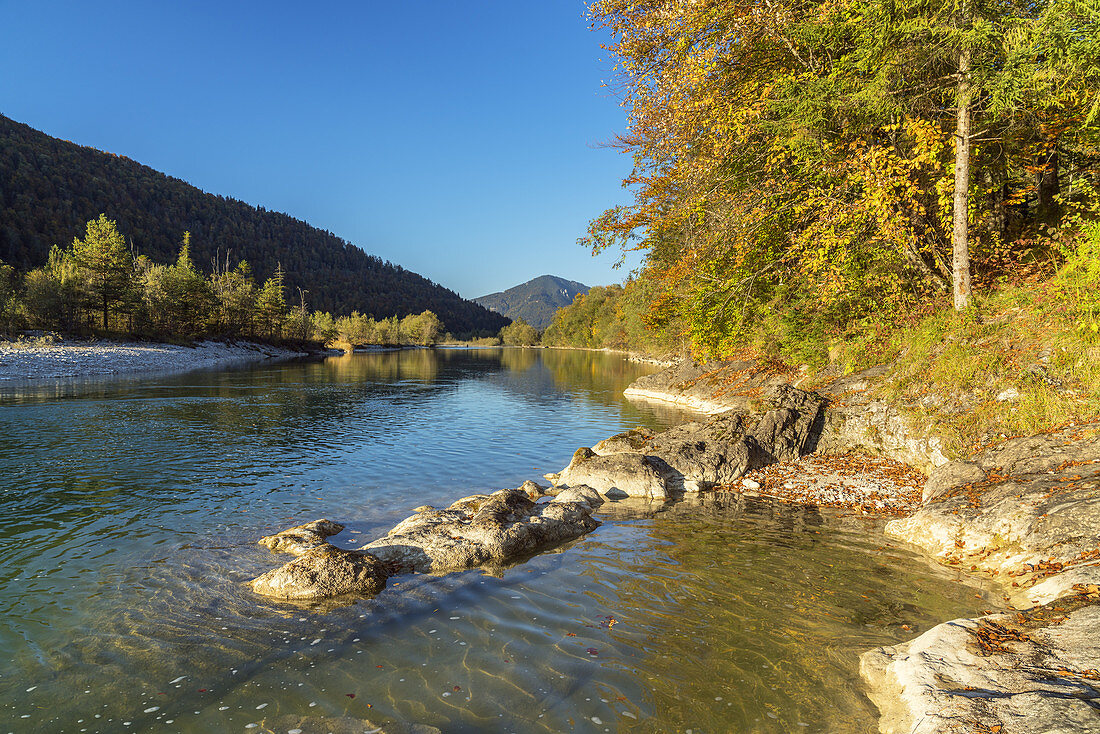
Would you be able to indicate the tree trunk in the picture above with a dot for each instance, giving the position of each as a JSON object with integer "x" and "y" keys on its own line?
{"x": 1047, "y": 210}
{"x": 960, "y": 268}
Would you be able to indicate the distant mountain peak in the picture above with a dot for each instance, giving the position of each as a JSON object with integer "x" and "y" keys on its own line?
{"x": 534, "y": 301}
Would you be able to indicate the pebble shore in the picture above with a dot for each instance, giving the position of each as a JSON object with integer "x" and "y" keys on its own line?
{"x": 21, "y": 361}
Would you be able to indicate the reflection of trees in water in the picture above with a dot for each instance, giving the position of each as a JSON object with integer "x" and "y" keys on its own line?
{"x": 406, "y": 364}
{"x": 597, "y": 372}
{"x": 518, "y": 359}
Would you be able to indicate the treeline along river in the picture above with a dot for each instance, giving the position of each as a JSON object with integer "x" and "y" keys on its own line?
{"x": 132, "y": 508}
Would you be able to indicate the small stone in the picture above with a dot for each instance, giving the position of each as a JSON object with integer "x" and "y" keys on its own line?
{"x": 750, "y": 484}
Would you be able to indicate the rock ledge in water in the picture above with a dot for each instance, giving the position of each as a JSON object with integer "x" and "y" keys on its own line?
{"x": 699, "y": 455}
{"x": 484, "y": 530}
{"x": 999, "y": 673}
{"x": 1021, "y": 510}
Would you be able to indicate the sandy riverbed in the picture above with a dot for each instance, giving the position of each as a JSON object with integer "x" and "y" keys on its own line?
{"x": 35, "y": 361}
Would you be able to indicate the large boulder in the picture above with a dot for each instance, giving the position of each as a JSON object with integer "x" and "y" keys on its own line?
{"x": 616, "y": 475}
{"x": 791, "y": 427}
{"x": 322, "y": 572}
{"x": 702, "y": 454}
{"x": 493, "y": 531}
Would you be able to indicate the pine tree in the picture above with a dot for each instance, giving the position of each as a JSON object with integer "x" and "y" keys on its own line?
{"x": 107, "y": 262}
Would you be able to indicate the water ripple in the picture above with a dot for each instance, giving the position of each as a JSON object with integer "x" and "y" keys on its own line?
{"x": 133, "y": 508}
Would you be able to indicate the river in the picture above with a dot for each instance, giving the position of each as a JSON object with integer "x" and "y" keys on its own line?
{"x": 132, "y": 509}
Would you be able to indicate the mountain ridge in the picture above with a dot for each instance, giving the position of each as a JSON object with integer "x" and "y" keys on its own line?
{"x": 49, "y": 189}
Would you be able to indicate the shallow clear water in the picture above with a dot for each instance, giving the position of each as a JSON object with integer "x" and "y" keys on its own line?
{"x": 132, "y": 510}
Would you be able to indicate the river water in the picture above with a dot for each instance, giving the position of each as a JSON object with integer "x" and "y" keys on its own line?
{"x": 132, "y": 508}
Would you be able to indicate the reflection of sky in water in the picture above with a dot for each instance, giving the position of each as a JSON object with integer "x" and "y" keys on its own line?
{"x": 133, "y": 509}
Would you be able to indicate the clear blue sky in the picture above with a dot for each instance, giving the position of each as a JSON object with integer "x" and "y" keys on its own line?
{"x": 460, "y": 140}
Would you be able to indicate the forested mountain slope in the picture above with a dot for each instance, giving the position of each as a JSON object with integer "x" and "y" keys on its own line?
{"x": 50, "y": 188}
{"x": 534, "y": 301}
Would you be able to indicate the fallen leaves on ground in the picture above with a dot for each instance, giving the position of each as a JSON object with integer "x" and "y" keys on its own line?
{"x": 866, "y": 484}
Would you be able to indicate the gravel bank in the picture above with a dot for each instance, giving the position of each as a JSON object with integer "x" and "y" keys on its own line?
{"x": 32, "y": 361}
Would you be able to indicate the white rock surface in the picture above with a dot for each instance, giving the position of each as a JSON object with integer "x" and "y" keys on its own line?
{"x": 943, "y": 682}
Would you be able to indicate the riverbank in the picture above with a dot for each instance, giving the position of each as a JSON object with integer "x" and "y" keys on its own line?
{"x": 42, "y": 359}
{"x": 1023, "y": 513}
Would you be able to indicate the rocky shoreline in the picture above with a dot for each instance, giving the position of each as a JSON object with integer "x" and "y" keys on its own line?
{"x": 1024, "y": 513}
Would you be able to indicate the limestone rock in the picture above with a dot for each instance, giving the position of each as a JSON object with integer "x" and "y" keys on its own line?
{"x": 580, "y": 493}
{"x": 633, "y": 441}
{"x": 1024, "y": 679}
{"x": 702, "y": 454}
{"x": 789, "y": 429}
{"x": 533, "y": 490}
{"x": 632, "y": 475}
{"x": 322, "y": 572}
{"x": 712, "y": 387}
{"x": 471, "y": 503}
{"x": 302, "y": 538}
{"x": 1038, "y": 501}
{"x": 1062, "y": 584}
{"x": 949, "y": 476}
{"x": 504, "y": 527}
{"x": 876, "y": 427}
{"x": 707, "y": 453}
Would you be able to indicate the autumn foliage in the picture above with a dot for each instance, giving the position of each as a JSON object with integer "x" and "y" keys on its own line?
{"x": 794, "y": 161}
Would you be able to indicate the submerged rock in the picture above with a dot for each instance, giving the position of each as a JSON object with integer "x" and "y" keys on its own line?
{"x": 302, "y": 538}
{"x": 322, "y": 572}
{"x": 485, "y": 530}
{"x": 342, "y": 725}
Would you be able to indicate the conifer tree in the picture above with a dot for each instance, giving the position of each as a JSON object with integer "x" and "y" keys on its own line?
{"x": 107, "y": 263}
{"x": 271, "y": 304}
